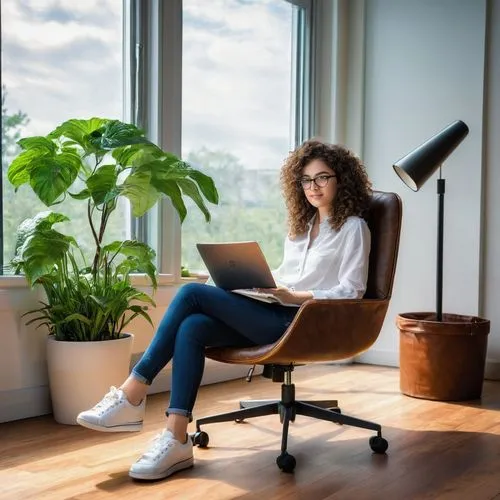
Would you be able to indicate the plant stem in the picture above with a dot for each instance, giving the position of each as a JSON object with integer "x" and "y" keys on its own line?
{"x": 91, "y": 222}
{"x": 96, "y": 238}
{"x": 102, "y": 227}
{"x": 106, "y": 212}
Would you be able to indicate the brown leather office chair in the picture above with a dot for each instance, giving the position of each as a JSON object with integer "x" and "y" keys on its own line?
{"x": 323, "y": 330}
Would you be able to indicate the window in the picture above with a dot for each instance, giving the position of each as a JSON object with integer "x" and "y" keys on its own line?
{"x": 238, "y": 116}
{"x": 60, "y": 59}
{"x": 234, "y": 106}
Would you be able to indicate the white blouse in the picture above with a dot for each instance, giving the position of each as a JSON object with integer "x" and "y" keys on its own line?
{"x": 335, "y": 266}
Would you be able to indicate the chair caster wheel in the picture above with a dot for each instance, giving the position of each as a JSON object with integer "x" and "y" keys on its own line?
{"x": 200, "y": 439}
{"x": 239, "y": 420}
{"x": 378, "y": 444}
{"x": 286, "y": 462}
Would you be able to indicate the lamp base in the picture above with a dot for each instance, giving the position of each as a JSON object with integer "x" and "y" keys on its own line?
{"x": 442, "y": 360}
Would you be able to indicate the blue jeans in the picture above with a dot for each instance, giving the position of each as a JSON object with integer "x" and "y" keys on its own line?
{"x": 203, "y": 316}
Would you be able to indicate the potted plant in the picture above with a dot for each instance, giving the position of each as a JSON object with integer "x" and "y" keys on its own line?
{"x": 90, "y": 302}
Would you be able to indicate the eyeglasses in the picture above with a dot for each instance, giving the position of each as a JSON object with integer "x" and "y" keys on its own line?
{"x": 320, "y": 181}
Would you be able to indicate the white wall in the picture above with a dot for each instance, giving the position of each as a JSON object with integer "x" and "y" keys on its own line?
{"x": 425, "y": 67}
{"x": 491, "y": 297}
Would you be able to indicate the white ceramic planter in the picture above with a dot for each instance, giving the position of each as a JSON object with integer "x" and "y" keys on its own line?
{"x": 80, "y": 373}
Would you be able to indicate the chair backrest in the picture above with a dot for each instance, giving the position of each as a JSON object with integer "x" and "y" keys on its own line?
{"x": 384, "y": 220}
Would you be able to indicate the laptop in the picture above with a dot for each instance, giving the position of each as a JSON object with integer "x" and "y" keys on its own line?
{"x": 240, "y": 267}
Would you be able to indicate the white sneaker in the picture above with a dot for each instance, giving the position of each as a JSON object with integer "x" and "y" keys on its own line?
{"x": 165, "y": 456}
{"x": 114, "y": 413}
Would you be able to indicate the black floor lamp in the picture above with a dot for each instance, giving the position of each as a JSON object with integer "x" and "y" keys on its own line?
{"x": 416, "y": 167}
{"x": 441, "y": 356}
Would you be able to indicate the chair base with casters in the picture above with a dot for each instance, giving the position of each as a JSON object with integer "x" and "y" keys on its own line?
{"x": 323, "y": 330}
{"x": 287, "y": 408}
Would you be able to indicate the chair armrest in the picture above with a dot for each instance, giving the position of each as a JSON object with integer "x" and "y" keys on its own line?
{"x": 322, "y": 330}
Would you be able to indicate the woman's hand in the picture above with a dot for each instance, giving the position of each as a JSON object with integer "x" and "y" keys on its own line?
{"x": 288, "y": 295}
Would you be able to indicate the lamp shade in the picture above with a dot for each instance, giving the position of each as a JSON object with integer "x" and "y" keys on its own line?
{"x": 416, "y": 167}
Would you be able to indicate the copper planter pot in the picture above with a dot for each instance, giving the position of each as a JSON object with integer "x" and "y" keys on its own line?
{"x": 442, "y": 360}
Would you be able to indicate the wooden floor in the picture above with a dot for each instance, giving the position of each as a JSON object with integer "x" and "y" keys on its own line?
{"x": 436, "y": 450}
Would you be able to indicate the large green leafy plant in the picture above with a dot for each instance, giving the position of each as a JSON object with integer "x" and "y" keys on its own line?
{"x": 95, "y": 161}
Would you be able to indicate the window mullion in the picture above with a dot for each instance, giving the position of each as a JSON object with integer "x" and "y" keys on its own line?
{"x": 302, "y": 72}
{"x": 169, "y": 87}
{"x": 154, "y": 75}
{"x": 136, "y": 50}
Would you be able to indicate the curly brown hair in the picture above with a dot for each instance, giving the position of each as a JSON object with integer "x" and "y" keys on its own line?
{"x": 353, "y": 192}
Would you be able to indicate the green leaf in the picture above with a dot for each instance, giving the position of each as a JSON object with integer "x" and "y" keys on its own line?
{"x": 138, "y": 311}
{"x": 172, "y": 190}
{"x": 125, "y": 267}
{"x": 35, "y": 320}
{"x": 150, "y": 270}
{"x": 34, "y": 147}
{"x": 115, "y": 133}
{"x": 100, "y": 301}
{"x": 65, "y": 144}
{"x": 101, "y": 183}
{"x": 139, "y": 258}
{"x": 206, "y": 185}
{"x": 143, "y": 297}
{"x": 141, "y": 193}
{"x": 51, "y": 177}
{"x": 19, "y": 170}
{"x": 82, "y": 195}
{"x": 76, "y": 317}
{"x": 38, "y": 143}
{"x": 79, "y": 131}
{"x": 38, "y": 247}
{"x": 171, "y": 168}
{"x": 131, "y": 248}
{"x": 189, "y": 188}
{"x": 168, "y": 168}
{"x": 40, "y": 222}
{"x": 133, "y": 154}
{"x": 169, "y": 176}
{"x": 41, "y": 251}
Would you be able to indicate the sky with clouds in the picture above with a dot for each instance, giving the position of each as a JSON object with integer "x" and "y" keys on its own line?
{"x": 63, "y": 58}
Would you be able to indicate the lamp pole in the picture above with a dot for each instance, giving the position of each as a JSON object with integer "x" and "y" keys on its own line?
{"x": 440, "y": 234}
{"x": 416, "y": 167}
